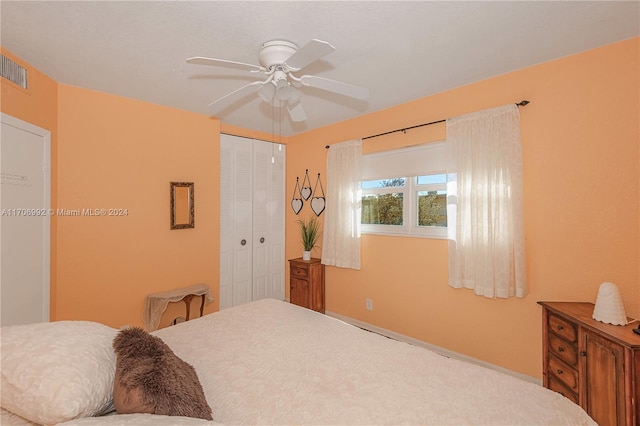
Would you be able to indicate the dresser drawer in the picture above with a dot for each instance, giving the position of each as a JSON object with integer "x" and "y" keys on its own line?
{"x": 564, "y": 373}
{"x": 563, "y": 350}
{"x": 562, "y": 328}
{"x": 557, "y": 386}
{"x": 299, "y": 272}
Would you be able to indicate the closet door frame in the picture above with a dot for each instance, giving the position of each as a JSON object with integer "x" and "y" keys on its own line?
{"x": 252, "y": 198}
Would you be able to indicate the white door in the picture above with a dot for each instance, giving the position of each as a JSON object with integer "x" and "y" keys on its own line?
{"x": 242, "y": 244}
{"x": 251, "y": 220}
{"x": 24, "y": 222}
{"x": 268, "y": 220}
{"x": 236, "y": 189}
{"x": 261, "y": 238}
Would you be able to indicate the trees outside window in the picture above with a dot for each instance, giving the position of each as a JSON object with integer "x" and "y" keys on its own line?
{"x": 405, "y": 205}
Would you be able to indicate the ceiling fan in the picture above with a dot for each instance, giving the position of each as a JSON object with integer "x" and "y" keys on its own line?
{"x": 279, "y": 60}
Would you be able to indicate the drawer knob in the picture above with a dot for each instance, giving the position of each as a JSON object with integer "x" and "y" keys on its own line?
{"x": 560, "y": 327}
{"x": 583, "y": 353}
{"x": 560, "y": 349}
{"x": 559, "y": 371}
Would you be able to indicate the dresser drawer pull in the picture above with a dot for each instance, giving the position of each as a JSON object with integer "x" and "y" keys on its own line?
{"x": 560, "y": 349}
{"x": 559, "y": 371}
{"x": 583, "y": 353}
{"x": 560, "y": 327}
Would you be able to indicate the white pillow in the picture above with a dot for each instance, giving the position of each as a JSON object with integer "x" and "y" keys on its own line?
{"x": 8, "y": 418}
{"x": 57, "y": 371}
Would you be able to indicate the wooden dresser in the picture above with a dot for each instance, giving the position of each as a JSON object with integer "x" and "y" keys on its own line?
{"x": 594, "y": 364}
{"x": 307, "y": 283}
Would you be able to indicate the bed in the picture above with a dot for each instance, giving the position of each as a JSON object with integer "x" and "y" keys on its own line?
{"x": 270, "y": 362}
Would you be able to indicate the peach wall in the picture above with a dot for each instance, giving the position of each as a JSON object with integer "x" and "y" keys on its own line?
{"x": 581, "y": 191}
{"x": 121, "y": 153}
{"x": 38, "y": 106}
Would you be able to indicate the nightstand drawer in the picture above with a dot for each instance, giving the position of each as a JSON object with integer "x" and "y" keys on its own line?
{"x": 557, "y": 386}
{"x": 562, "y": 328}
{"x": 563, "y": 350}
{"x": 564, "y": 373}
{"x": 299, "y": 272}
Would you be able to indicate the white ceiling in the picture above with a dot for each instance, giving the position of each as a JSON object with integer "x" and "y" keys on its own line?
{"x": 401, "y": 51}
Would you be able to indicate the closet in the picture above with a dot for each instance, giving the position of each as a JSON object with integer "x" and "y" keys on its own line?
{"x": 252, "y": 200}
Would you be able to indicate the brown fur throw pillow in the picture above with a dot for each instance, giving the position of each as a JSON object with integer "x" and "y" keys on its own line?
{"x": 150, "y": 378}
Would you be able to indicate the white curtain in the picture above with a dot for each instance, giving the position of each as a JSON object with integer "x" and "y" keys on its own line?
{"x": 484, "y": 203}
{"x": 341, "y": 235}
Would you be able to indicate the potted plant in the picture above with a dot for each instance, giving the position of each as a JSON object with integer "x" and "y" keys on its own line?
{"x": 309, "y": 233}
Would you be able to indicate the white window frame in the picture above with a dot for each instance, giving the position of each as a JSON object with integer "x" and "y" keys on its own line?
{"x": 408, "y": 163}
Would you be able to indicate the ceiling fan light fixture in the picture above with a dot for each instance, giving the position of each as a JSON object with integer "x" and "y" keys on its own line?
{"x": 294, "y": 97}
{"x": 283, "y": 90}
{"x": 267, "y": 92}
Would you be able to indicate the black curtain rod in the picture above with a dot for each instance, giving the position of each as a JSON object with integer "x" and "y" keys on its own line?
{"x": 521, "y": 103}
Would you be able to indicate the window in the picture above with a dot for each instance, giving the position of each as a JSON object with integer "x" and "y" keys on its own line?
{"x": 408, "y": 195}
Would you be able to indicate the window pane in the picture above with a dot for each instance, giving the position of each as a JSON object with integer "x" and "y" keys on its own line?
{"x": 382, "y": 183}
{"x": 432, "y": 208}
{"x": 382, "y": 209}
{"x": 431, "y": 179}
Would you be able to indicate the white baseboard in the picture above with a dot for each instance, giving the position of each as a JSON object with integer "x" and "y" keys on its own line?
{"x": 434, "y": 348}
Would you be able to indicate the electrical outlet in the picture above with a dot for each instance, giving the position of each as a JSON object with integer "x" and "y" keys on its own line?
{"x": 369, "y": 305}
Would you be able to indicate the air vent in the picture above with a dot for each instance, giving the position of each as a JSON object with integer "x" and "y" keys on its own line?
{"x": 13, "y": 72}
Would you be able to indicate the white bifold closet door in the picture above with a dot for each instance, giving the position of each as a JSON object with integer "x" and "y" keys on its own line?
{"x": 252, "y": 199}
{"x": 25, "y": 181}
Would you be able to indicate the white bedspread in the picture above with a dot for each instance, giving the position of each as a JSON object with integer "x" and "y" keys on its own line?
{"x": 270, "y": 362}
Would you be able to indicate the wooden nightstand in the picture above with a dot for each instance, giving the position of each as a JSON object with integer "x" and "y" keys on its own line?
{"x": 596, "y": 365}
{"x": 306, "y": 283}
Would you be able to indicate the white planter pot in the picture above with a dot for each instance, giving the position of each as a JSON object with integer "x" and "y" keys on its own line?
{"x": 306, "y": 255}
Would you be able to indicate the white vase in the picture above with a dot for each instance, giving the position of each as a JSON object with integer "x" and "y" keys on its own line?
{"x": 306, "y": 255}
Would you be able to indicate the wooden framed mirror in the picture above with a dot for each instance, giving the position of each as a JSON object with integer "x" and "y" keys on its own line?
{"x": 182, "y": 208}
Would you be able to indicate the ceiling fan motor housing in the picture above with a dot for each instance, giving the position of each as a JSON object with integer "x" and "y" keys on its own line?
{"x": 276, "y": 52}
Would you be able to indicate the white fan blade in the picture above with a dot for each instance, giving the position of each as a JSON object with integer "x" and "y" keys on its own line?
{"x": 236, "y": 94}
{"x": 296, "y": 112}
{"x": 223, "y": 63}
{"x": 308, "y": 53}
{"x": 339, "y": 87}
